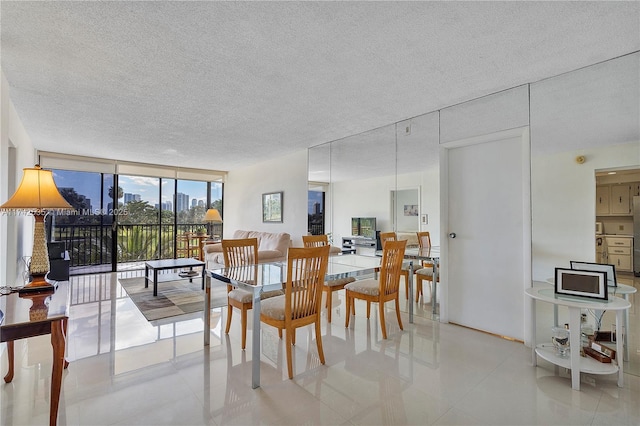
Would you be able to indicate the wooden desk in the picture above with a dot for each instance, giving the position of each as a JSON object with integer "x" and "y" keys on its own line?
{"x": 36, "y": 314}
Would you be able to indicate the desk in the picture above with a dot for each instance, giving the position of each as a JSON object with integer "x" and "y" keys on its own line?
{"x": 263, "y": 277}
{"x": 427, "y": 254}
{"x": 36, "y": 314}
{"x": 577, "y": 363}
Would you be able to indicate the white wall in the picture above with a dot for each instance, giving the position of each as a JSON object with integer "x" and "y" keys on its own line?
{"x": 16, "y": 152}
{"x": 243, "y": 196}
{"x": 563, "y": 204}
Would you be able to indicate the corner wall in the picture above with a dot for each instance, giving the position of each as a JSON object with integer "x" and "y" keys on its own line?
{"x": 243, "y": 196}
{"x": 16, "y": 152}
{"x": 563, "y": 204}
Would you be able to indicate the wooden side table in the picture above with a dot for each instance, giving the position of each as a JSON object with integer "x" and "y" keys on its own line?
{"x": 35, "y": 314}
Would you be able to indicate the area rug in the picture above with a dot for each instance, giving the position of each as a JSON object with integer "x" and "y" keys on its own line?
{"x": 174, "y": 297}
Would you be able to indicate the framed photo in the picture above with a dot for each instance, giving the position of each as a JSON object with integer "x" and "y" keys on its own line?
{"x": 589, "y": 266}
{"x": 411, "y": 210}
{"x": 272, "y": 207}
{"x": 581, "y": 283}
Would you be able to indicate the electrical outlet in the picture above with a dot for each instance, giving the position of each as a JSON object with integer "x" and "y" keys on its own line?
{"x": 583, "y": 318}
{"x": 407, "y": 129}
{"x": 620, "y": 227}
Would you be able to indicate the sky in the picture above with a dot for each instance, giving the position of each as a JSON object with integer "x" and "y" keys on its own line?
{"x": 88, "y": 184}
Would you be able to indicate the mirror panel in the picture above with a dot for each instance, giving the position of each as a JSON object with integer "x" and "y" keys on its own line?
{"x": 504, "y": 110}
{"x": 363, "y": 172}
{"x": 593, "y": 113}
{"x": 418, "y": 165}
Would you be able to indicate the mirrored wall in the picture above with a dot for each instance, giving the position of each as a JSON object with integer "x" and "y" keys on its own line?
{"x": 590, "y": 114}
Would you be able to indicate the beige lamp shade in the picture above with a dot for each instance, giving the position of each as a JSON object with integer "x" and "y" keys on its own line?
{"x": 213, "y": 215}
{"x": 38, "y": 194}
{"x": 37, "y": 191}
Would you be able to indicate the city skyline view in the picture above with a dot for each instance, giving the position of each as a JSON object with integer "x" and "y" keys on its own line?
{"x": 141, "y": 188}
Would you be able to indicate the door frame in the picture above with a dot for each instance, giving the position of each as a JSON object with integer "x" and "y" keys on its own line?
{"x": 523, "y": 134}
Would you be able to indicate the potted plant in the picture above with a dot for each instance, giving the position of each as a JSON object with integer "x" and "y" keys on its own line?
{"x": 201, "y": 231}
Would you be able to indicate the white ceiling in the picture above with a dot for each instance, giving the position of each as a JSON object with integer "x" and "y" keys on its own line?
{"x": 222, "y": 85}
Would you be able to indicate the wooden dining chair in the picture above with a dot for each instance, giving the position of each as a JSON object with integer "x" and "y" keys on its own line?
{"x": 300, "y": 304}
{"x": 329, "y": 286}
{"x": 240, "y": 252}
{"x": 383, "y": 289}
{"x": 187, "y": 246}
{"x": 425, "y": 273}
{"x": 404, "y": 272}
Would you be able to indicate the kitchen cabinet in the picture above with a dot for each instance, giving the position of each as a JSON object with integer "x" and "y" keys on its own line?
{"x": 602, "y": 200}
{"x": 620, "y": 199}
{"x": 620, "y": 252}
{"x": 615, "y": 199}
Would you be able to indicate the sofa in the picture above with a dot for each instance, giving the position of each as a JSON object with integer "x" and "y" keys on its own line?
{"x": 272, "y": 247}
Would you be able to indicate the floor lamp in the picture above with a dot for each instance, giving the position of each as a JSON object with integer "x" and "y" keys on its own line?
{"x": 212, "y": 216}
{"x": 37, "y": 195}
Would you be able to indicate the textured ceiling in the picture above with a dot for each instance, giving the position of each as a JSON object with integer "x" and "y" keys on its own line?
{"x": 222, "y": 85}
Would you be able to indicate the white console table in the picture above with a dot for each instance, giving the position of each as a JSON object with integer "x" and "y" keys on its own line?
{"x": 575, "y": 362}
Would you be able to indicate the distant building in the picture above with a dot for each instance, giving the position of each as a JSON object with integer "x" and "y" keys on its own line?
{"x": 128, "y": 197}
{"x": 200, "y": 203}
{"x": 182, "y": 202}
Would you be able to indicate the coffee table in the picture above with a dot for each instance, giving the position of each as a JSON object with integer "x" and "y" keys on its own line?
{"x": 164, "y": 264}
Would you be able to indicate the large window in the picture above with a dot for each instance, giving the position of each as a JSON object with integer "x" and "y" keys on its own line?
{"x": 87, "y": 230}
{"x": 148, "y": 213}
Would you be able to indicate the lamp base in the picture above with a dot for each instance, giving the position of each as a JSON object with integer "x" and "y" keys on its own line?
{"x": 39, "y": 283}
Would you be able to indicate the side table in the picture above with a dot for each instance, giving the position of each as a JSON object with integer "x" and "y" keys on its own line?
{"x": 575, "y": 362}
{"x": 36, "y": 314}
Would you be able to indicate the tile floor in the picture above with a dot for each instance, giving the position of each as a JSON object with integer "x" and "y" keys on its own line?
{"x": 126, "y": 371}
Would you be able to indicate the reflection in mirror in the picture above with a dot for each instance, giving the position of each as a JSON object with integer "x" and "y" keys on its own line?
{"x": 319, "y": 201}
{"x": 418, "y": 165}
{"x": 363, "y": 172}
{"x": 591, "y": 114}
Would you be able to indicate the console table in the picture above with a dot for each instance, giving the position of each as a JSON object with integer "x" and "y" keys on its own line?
{"x": 575, "y": 362}
{"x": 36, "y": 314}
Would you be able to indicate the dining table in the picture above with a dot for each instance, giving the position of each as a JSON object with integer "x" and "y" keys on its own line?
{"x": 263, "y": 277}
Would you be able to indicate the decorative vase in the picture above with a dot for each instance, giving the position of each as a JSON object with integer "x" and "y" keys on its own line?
{"x": 560, "y": 339}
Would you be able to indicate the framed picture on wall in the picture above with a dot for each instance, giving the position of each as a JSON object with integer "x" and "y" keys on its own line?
{"x": 272, "y": 207}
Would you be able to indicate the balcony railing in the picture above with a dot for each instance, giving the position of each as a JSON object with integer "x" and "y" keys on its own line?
{"x": 90, "y": 245}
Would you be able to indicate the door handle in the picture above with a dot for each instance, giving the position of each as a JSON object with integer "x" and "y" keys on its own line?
{"x": 452, "y": 235}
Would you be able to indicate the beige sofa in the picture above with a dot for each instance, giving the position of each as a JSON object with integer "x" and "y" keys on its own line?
{"x": 272, "y": 247}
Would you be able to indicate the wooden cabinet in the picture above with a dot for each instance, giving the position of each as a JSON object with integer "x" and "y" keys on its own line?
{"x": 620, "y": 252}
{"x": 620, "y": 199}
{"x": 615, "y": 199}
{"x": 602, "y": 200}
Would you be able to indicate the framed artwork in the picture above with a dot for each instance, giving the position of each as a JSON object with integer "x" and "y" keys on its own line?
{"x": 272, "y": 207}
{"x": 581, "y": 283}
{"x": 590, "y": 266}
{"x": 411, "y": 210}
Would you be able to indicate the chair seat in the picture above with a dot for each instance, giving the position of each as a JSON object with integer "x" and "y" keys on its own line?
{"x": 368, "y": 286}
{"x": 339, "y": 282}
{"x": 273, "y": 307}
{"x": 244, "y": 296}
{"x": 425, "y": 271}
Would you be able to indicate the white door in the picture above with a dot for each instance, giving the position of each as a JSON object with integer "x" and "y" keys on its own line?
{"x": 486, "y": 204}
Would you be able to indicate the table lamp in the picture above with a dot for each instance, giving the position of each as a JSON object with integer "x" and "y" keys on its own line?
{"x": 212, "y": 216}
{"x": 37, "y": 194}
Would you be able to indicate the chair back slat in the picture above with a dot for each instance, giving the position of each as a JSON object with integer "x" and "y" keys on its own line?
{"x": 387, "y": 236}
{"x": 240, "y": 252}
{"x": 315, "y": 240}
{"x": 391, "y": 266}
{"x": 306, "y": 269}
{"x": 424, "y": 239}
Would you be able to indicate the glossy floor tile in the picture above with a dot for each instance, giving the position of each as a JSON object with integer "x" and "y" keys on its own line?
{"x": 127, "y": 371}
